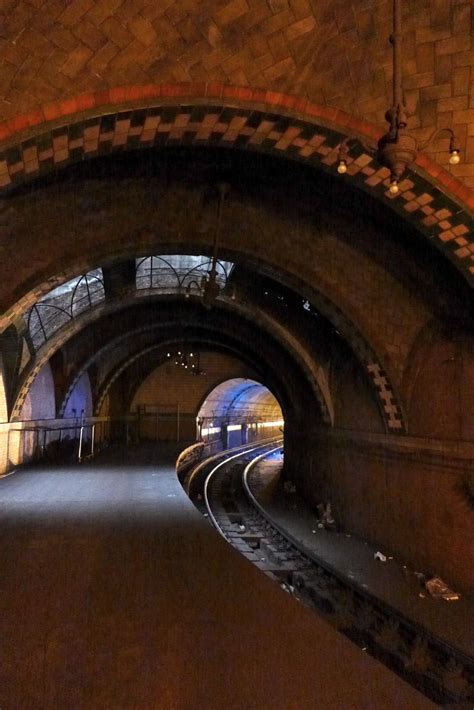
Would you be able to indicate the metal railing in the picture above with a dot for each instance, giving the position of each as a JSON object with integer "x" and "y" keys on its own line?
{"x": 69, "y": 440}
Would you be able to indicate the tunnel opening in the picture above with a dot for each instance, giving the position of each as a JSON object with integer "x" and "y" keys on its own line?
{"x": 239, "y": 411}
{"x": 348, "y": 377}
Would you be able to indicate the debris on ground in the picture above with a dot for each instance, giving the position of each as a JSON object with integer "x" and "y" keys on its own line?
{"x": 379, "y": 556}
{"x": 325, "y": 516}
{"x": 440, "y": 590}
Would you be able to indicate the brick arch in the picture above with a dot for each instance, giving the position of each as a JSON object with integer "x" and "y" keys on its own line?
{"x": 212, "y": 338}
{"x": 284, "y": 339}
{"x": 436, "y": 203}
{"x": 387, "y": 398}
{"x": 114, "y": 375}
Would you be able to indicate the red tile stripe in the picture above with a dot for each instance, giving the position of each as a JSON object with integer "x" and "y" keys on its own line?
{"x": 271, "y": 100}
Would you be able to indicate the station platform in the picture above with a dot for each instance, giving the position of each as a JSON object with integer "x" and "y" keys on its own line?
{"x": 116, "y": 593}
{"x": 391, "y": 581}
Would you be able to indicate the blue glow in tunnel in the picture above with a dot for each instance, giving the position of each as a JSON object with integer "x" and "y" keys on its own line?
{"x": 237, "y": 400}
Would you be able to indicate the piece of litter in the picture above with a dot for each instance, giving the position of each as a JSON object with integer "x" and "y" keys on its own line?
{"x": 440, "y": 590}
{"x": 380, "y": 556}
{"x": 421, "y": 595}
{"x": 348, "y": 535}
{"x": 206, "y": 515}
{"x": 364, "y": 648}
{"x": 313, "y": 531}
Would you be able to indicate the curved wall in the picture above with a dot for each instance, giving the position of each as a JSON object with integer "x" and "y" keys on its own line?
{"x": 40, "y": 400}
{"x": 79, "y": 403}
{"x": 168, "y": 393}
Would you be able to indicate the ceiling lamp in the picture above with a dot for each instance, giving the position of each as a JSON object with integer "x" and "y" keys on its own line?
{"x": 188, "y": 359}
{"x": 209, "y": 288}
{"x": 397, "y": 148}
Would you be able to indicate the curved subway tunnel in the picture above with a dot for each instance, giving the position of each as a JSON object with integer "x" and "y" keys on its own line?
{"x": 349, "y": 300}
{"x": 336, "y": 355}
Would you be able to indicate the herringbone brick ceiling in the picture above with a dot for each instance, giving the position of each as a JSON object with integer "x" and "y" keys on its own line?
{"x": 335, "y": 52}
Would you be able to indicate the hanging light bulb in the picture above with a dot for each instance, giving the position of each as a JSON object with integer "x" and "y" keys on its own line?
{"x": 398, "y": 147}
{"x": 394, "y": 189}
{"x": 455, "y": 157}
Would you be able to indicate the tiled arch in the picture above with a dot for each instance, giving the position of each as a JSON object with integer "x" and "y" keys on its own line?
{"x": 386, "y": 396}
{"x": 437, "y": 204}
{"x": 72, "y": 327}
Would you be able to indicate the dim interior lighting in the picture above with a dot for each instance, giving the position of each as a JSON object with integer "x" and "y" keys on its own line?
{"x": 188, "y": 360}
{"x": 398, "y": 147}
{"x": 454, "y": 158}
{"x": 206, "y": 431}
{"x": 265, "y": 425}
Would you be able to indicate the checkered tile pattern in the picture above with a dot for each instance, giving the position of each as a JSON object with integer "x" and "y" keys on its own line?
{"x": 389, "y": 402}
{"x": 391, "y": 410}
{"x": 426, "y": 207}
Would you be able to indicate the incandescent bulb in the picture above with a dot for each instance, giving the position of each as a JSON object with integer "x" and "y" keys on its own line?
{"x": 394, "y": 189}
{"x": 454, "y": 158}
{"x": 342, "y": 167}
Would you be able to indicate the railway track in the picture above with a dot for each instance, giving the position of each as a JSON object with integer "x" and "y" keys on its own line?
{"x": 219, "y": 488}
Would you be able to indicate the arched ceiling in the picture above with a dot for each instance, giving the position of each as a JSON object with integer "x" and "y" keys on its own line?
{"x": 140, "y": 327}
{"x": 235, "y": 398}
{"x": 334, "y": 53}
{"x": 276, "y": 310}
{"x": 325, "y": 242}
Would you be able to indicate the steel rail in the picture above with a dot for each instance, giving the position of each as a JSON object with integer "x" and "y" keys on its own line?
{"x": 428, "y": 662}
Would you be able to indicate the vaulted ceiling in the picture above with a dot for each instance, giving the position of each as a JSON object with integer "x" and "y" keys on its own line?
{"x": 334, "y": 52}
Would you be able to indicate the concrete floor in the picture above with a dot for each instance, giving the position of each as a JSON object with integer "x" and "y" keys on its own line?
{"x": 116, "y": 593}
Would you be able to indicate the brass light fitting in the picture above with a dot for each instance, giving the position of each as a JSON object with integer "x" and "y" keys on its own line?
{"x": 209, "y": 288}
{"x": 397, "y": 148}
